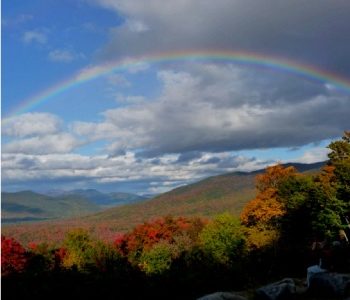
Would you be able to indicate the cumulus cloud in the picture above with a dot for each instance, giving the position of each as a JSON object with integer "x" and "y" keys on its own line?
{"x": 104, "y": 170}
{"x": 314, "y": 155}
{"x": 37, "y": 133}
{"x": 215, "y": 108}
{"x": 34, "y": 36}
{"x": 30, "y": 124}
{"x": 54, "y": 143}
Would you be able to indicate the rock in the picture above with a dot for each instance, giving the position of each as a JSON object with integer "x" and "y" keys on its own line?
{"x": 283, "y": 289}
{"x": 330, "y": 285}
{"x": 222, "y": 296}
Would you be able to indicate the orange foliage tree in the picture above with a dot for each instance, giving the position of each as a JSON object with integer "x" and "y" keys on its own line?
{"x": 267, "y": 207}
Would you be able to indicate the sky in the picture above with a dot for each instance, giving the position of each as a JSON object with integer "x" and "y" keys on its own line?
{"x": 144, "y": 96}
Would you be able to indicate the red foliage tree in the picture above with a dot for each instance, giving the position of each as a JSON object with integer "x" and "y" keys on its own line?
{"x": 14, "y": 257}
{"x": 146, "y": 235}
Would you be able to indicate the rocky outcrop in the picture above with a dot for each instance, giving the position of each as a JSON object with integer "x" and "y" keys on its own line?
{"x": 283, "y": 289}
{"x": 330, "y": 285}
{"x": 222, "y": 296}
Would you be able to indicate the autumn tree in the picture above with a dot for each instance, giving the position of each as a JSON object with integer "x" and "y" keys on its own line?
{"x": 267, "y": 207}
{"x": 14, "y": 258}
{"x": 167, "y": 229}
{"x": 78, "y": 246}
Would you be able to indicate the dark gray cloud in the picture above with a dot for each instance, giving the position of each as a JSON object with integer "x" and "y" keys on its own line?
{"x": 313, "y": 31}
{"x": 188, "y": 156}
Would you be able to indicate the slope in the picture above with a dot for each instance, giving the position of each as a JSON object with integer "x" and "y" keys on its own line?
{"x": 31, "y": 206}
{"x": 208, "y": 197}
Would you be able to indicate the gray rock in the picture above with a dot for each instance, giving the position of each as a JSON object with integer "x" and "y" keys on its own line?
{"x": 222, "y": 296}
{"x": 283, "y": 289}
{"x": 330, "y": 284}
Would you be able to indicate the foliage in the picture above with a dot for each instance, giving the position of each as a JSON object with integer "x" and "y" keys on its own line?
{"x": 158, "y": 259}
{"x": 273, "y": 177}
{"x": 263, "y": 210}
{"x": 340, "y": 160}
{"x": 260, "y": 238}
{"x": 105, "y": 257}
{"x": 14, "y": 257}
{"x": 267, "y": 208}
{"x": 78, "y": 246}
{"x": 223, "y": 239}
{"x": 168, "y": 229}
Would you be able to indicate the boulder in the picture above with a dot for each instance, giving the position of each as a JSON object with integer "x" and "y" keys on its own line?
{"x": 283, "y": 289}
{"x": 330, "y": 285}
{"x": 222, "y": 296}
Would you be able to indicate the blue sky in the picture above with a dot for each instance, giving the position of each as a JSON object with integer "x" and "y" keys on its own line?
{"x": 151, "y": 127}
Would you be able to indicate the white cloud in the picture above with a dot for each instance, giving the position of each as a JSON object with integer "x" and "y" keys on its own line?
{"x": 30, "y": 124}
{"x": 63, "y": 55}
{"x": 163, "y": 175}
{"x": 314, "y": 155}
{"x": 34, "y": 36}
{"x": 53, "y": 143}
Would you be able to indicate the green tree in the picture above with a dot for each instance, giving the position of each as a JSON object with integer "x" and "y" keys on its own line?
{"x": 158, "y": 259}
{"x": 223, "y": 239}
{"x": 79, "y": 249}
{"x": 340, "y": 160}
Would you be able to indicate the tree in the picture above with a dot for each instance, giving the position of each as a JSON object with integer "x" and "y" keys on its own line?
{"x": 14, "y": 257}
{"x": 143, "y": 237}
{"x": 223, "y": 239}
{"x": 267, "y": 207}
{"x": 340, "y": 160}
{"x": 78, "y": 246}
{"x": 158, "y": 259}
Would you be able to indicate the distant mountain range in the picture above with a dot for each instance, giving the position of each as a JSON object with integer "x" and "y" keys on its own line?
{"x": 208, "y": 197}
{"x": 32, "y": 206}
{"x": 205, "y": 198}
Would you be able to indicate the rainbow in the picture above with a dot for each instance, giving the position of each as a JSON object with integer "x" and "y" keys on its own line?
{"x": 280, "y": 64}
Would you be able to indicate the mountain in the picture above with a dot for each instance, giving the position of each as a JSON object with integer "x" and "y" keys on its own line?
{"x": 213, "y": 195}
{"x": 99, "y": 198}
{"x": 31, "y": 206}
{"x": 208, "y": 197}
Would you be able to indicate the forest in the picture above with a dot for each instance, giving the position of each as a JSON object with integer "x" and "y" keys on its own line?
{"x": 296, "y": 220}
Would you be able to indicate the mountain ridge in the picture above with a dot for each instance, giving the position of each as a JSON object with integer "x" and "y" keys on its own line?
{"x": 28, "y": 205}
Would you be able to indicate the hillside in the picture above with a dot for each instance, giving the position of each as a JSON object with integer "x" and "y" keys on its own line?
{"x": 206, "y": 198}
{"x": 31, "y": 206}
{"x": 104, "y": 200}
